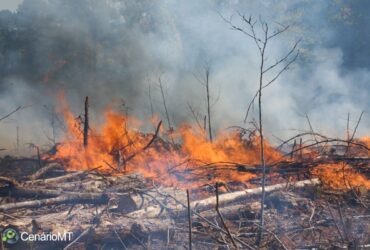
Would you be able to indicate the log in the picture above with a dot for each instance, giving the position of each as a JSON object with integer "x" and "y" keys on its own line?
{"x": 125, "y": 203}
{"x": 9, "y": 181}
{"x": 89, "y": 187}
{"x": 56, "y": 179}
{"x": 62, "y": 199}
{"x": 209, "y": 203}
{"x": 93, "y": 189}
{"x": 235, "y": 196}
{"x": 44, "y": 170}
{"x": 20, "y": 192}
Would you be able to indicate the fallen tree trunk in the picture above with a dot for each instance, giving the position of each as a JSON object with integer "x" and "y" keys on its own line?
{"x": 44, "y": 170}
{"x": 54, "y": 187}
{"x": 9, "y": 181}
{"x": 209, "y": 203}
{"x": 63, "y": 199}
{"x": 93, "y": 189}
{"x": 230, "y": 197}
{"x": 57, "y": 179}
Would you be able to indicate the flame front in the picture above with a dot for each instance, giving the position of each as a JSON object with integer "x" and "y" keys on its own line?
{"x": 117, "y": 146}
{"x": 341, "y": 176}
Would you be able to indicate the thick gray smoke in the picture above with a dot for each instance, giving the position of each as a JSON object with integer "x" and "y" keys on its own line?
{"x": 113, "y": 50}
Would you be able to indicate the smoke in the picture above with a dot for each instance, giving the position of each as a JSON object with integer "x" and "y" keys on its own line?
{"x": 10, "y": 4}
{"x": 114, "y": 50}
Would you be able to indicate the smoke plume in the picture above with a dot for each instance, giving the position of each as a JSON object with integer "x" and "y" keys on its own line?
{"x": 114, "y": 51}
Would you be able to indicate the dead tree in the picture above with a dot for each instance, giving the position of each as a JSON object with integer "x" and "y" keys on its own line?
{"x": 54, "y": 121}
{"x": 17, "y": 139}
{"x": 208, "y": 103}
{"x": 205, "y": 81}
{"x": 151, "y": 104}
{"x": 170, "y": 128}
{"x": 86, "y": 122}
{"x": 164, "y": 104}
{"x": 196, "y": 118}
{"x": 53, "y": 126}
{"x": 262, "y": 38}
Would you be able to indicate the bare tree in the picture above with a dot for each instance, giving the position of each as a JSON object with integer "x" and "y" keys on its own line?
{"x": 196, "y": 118}
{"x": 17, "y": 139}
{"x": 161, "y": 87}
{"x": 151, "y": 104}
{"x": 205, "y": 81}
{"x": 207, "y": 70}
{"x": 53, "y": 120}
{"x": 262, "y": 38}
{"x": 170, "y": 127}
{"x": 86, "y": 123}
{"x": 56, "y": 123}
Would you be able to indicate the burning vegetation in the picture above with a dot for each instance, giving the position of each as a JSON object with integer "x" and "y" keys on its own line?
{"x": 123, "y": 186}
{"x": 119, "y": 147}
{"x": 116, "y": 184}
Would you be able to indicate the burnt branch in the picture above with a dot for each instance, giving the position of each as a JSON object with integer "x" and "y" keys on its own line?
{"x": 14, "y": 111}
{"x": 222, "y": 219}
{"x": 147, "y": 145}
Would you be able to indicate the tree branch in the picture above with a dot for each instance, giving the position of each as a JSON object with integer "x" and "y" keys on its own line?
{"x": 6, "y": 116}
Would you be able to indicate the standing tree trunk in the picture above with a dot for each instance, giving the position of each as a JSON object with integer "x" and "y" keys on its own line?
{"x": 165, "y": 105}
{"x": 204, "y": 80}
{"x": 261, "y": 40}
{"x": 170, "y": 128}
{"x": 86, "y": 122}
{"x": 262, "y": 145}
{"x": 53, "y": 125}
{"x": 208, "y": 105}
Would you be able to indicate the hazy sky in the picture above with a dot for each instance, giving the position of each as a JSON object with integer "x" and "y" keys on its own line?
{"x": 9, "y": 4}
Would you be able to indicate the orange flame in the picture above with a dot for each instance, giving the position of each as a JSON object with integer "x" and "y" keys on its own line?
{"x": 185, "y": 164}
{"x": 366, "y": 141}
{"x": 340, "y": 176}
{"x": 117, "y": 146}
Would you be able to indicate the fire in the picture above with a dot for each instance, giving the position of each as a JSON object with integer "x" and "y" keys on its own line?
{"x": 185, "y": 159}
{"x": 117, "y": 147}
{"x": 366, "y": 141}
{"x": 341, "y": 176}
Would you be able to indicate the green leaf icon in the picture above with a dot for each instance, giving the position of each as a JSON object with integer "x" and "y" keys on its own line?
{"x": 4, "y": 238}
{"x": 10, "y": 234}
